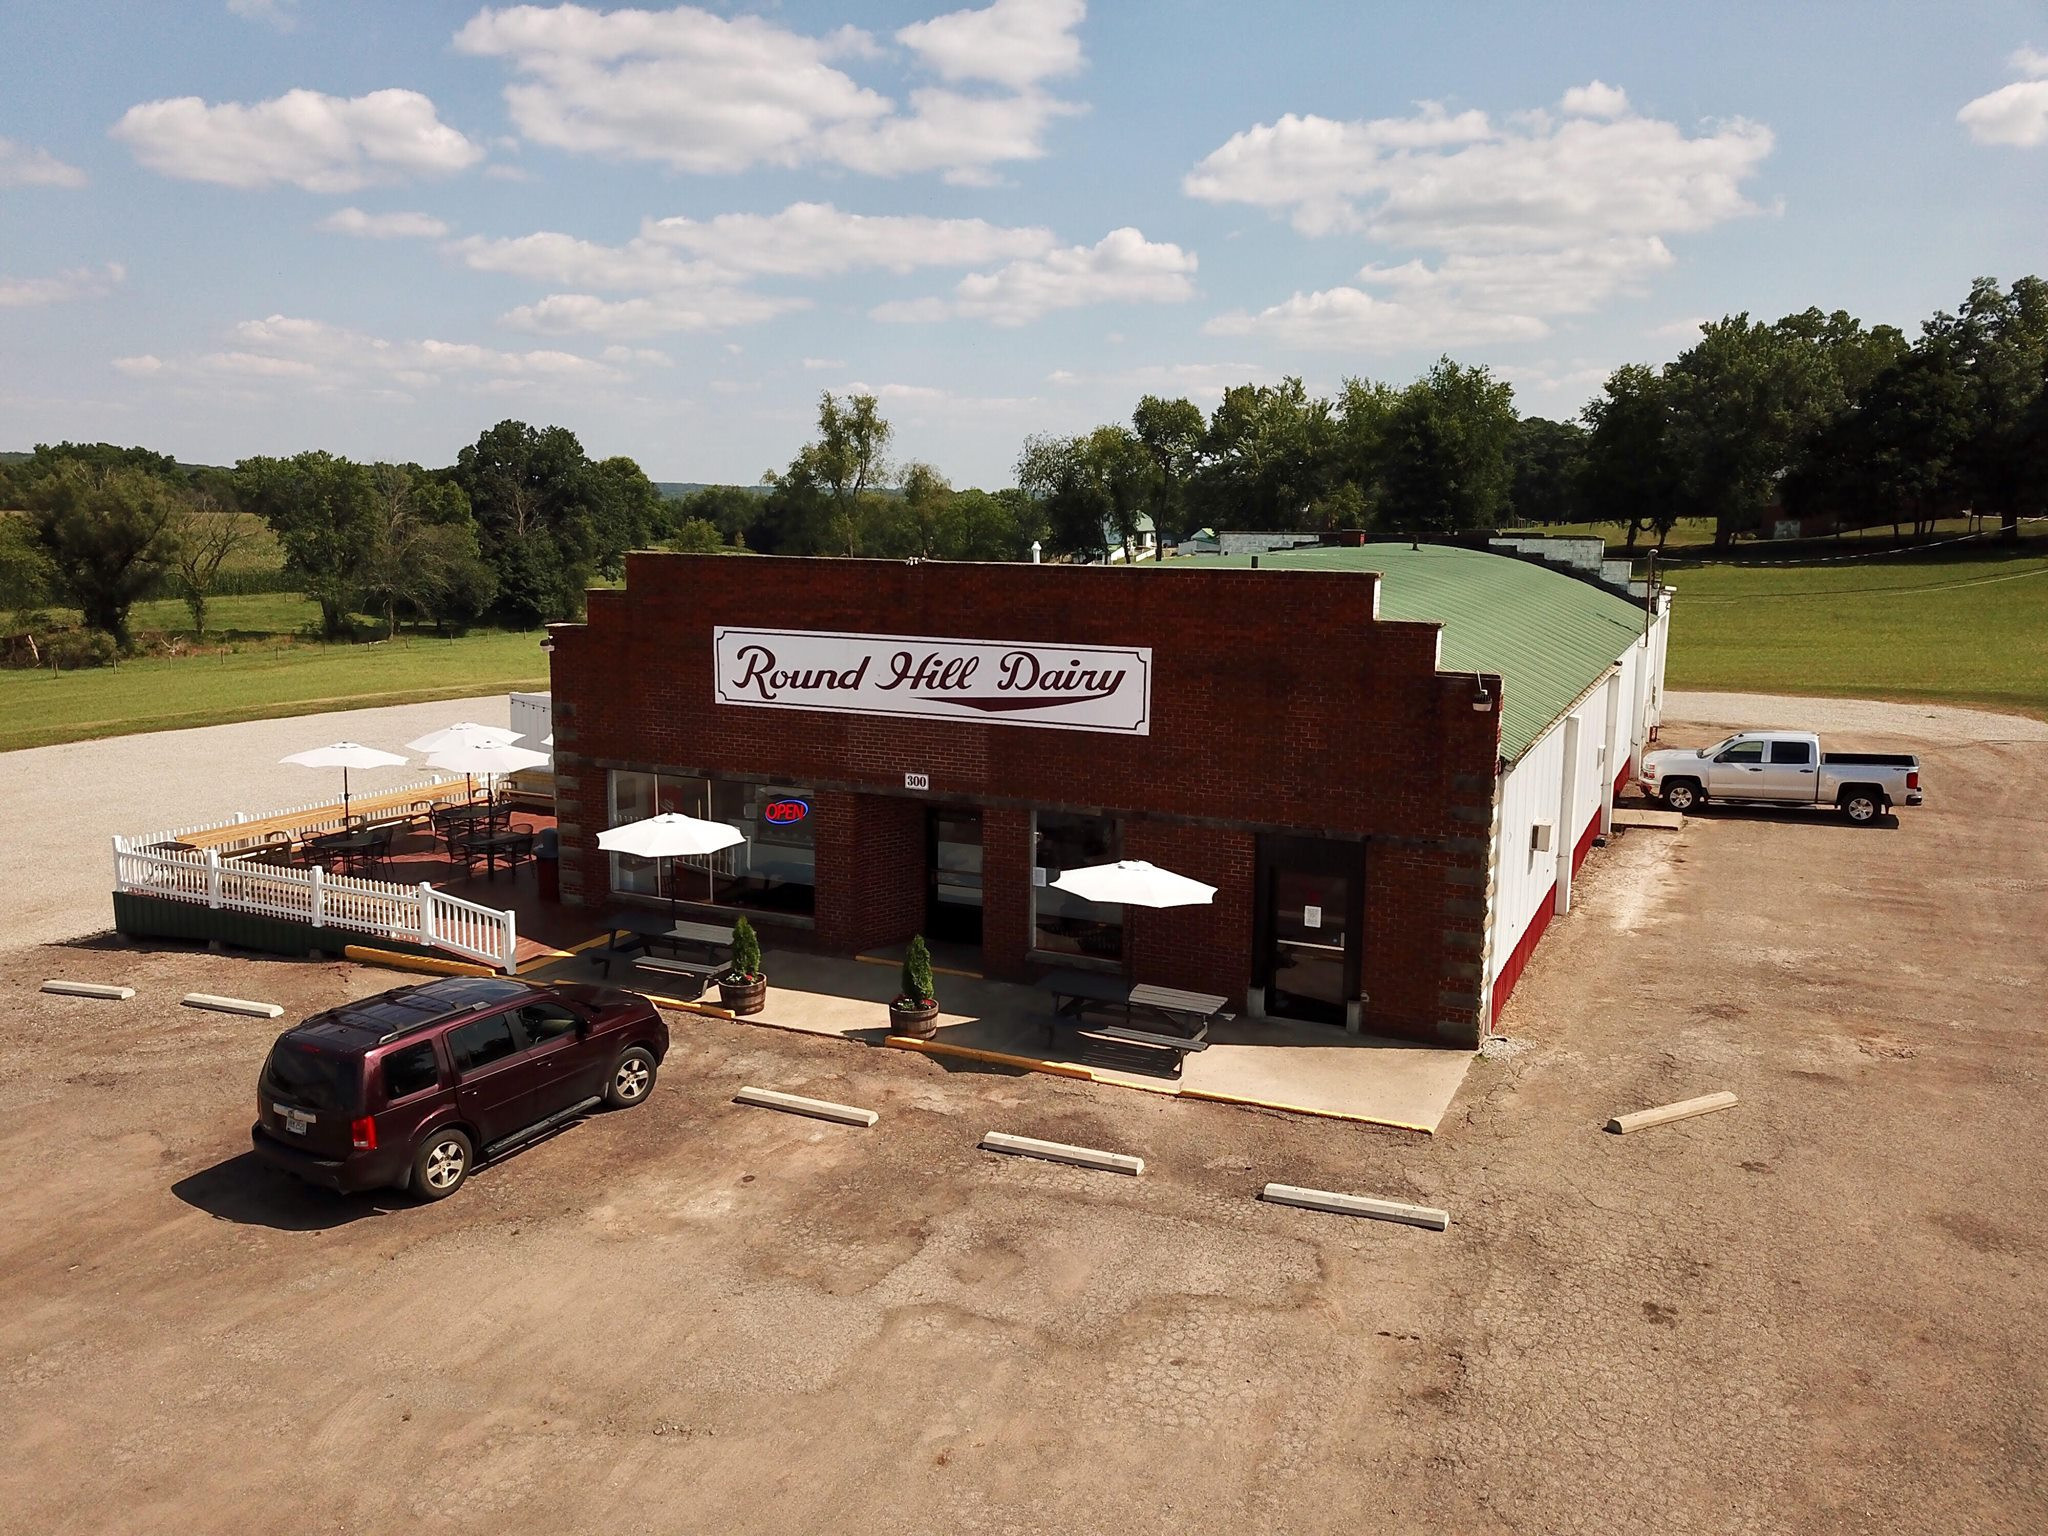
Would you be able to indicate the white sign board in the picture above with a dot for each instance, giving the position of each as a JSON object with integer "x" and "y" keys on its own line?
{"x": 1311, "y": 917}
{"x": 1056, "y": 687}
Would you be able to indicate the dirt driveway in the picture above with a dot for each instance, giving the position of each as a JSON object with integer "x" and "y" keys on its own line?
{"x": 1817, "y": 1312}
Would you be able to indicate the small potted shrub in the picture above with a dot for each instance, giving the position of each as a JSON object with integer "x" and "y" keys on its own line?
{"x": 744, "y": 987}
{"x": 915, "y": 1009}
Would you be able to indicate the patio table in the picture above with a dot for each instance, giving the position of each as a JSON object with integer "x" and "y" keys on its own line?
{"x": 510, "y": 844}
{"x": 351, "y": 846}
{"x": 1075, "y": 993}
{"x": 633, "y": 931}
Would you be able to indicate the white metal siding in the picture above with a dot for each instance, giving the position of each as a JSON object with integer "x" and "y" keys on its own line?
{"x": 1532, "y": 790}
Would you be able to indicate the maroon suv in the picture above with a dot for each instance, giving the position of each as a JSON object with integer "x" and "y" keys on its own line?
{"x": 413, "y": 1087}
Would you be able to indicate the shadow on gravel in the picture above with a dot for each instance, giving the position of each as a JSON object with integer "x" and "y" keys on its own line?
{"x": 246, "y": 1190}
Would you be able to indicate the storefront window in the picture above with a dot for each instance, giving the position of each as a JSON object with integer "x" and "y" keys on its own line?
{"x": 1064, "y": 924}
{"x": 774, "y": 870}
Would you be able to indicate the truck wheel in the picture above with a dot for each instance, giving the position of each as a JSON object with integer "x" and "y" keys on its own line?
{"x": 1681, "y": 795}
{"x": 1862, "y": 807}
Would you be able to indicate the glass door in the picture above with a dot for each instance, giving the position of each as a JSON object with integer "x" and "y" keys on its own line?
{"x": 1310, "y": 961}
{"x": 953, "y": 863}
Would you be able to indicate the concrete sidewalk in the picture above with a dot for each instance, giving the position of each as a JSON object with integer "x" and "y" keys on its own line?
{"x": 1305, "y": 1068}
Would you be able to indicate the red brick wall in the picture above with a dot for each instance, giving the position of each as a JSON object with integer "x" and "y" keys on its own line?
{"x": 1278, "y": 702}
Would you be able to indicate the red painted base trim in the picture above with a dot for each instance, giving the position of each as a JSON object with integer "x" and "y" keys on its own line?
{"x": 1525, "y": 946}
{"x": 1621, "y": 778}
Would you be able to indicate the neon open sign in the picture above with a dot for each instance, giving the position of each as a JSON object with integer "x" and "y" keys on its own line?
{"x": 783, "y": 812}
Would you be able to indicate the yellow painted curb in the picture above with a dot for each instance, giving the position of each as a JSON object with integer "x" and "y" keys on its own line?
{"x": 997, "y": 1058}
{"x": 427, "y": 963}
{"x": 704, "y": 1010}
{"x": 1302, "y": 1109}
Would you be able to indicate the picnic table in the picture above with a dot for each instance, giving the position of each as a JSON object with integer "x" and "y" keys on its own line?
{"x": 1186, "y": 1017}
{"x": 634, "y": 932}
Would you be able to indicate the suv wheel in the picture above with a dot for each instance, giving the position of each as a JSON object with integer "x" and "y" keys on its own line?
{"x": 1681, "y": 795}
{"x": 441, "y": 1164}
{"x": 632, "y": 1079}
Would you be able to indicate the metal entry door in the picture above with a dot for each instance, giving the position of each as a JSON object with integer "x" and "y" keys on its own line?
{"x": 1310, "y": 963}
{"x": 953, "y": 865}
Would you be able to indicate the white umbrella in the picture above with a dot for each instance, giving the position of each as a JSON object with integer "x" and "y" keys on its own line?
{"x": 670, "y": 835}
{"x": 464, "y": 733}
{"x": 490, "y": 759}
{"x": 344, "y": 755}
{"x": 1134, "y": 883}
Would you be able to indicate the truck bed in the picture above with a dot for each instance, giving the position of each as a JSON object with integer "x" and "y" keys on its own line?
{"x": 1869, "y": 760}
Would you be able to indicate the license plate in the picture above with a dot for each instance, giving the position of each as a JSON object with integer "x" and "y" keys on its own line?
{"x": 295, "y": 1120}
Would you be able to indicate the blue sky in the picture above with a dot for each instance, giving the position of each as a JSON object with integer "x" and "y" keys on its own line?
{"x": 378, "y": 226}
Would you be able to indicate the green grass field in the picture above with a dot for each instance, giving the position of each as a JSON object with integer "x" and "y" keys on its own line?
{"x": 1956, "y": 631}
{"x": 267, "y": 670}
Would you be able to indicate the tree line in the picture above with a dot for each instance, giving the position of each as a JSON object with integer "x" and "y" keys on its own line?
{"x": 1813, "y": 415}
{"x": 512, "y": 532}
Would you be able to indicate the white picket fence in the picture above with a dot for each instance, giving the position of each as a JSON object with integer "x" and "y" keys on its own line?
{"x": 370, "y": 908}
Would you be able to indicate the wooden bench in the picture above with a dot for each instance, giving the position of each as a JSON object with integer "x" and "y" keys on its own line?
{"x": 1117, "y": 1045}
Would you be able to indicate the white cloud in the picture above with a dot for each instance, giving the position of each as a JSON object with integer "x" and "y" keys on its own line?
{"x": 813, "y": 239}
{"x": 302, "y": 138}
{"x": 1196, "y": 381}
{"x": 1122, "y": 267}
{"x": 331, "y": 358}
{"x": 1016, "y": 43}
{"x": 77, "y": 283}
{"x": 23, "y": 165}
{"x": 709, "y": 310}
{"x": 705, "y": 93}
{"x": 815, "y": 364}
{"x": 1686, "y": 330}
{"x": 1350, "y": 318}
{"x": 1595, "y": 99}
{"x": 1528, "y": 218}
{"x": 383, "y": 226}
{"x": 2014, "y": 114}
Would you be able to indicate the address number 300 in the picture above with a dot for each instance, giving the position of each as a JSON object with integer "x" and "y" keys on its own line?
{"x": 917, "y": 781}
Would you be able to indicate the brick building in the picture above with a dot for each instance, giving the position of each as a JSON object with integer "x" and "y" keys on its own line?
{"x": 1331, "y": 739}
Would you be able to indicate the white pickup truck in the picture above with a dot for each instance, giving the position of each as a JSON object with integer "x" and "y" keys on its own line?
{"x": 1783, "y": 768}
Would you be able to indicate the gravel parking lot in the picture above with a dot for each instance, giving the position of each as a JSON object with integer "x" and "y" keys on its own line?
{"x": 1816, "y": 1312}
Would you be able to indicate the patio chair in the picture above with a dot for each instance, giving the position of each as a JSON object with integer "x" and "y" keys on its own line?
{"x": 379, "y": 851}
{"x": 277, "y": 849}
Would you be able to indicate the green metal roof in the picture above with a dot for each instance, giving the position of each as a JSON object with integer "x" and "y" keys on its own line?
{"x": 1549, "y": 636}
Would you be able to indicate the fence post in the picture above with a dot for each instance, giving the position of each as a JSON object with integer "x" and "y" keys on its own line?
{"x": 213, "y": 878}
{"x": 511, "y": 942}
{"x": 319, "y": 897}
{"x": 427, "y": 914}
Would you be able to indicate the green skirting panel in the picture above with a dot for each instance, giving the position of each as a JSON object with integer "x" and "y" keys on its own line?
{"x": 152, "y": 917}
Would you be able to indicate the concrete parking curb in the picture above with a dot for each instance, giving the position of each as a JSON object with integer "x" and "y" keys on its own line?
{"x": 1061, "y": 1152}
{"x": 232, "y": 1005}
{"x": 1357, "y": 1205}
{"x": 796, "y": 1104}
{"x": 89, "y": 989}
{"x": 1664, "y": 1114}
